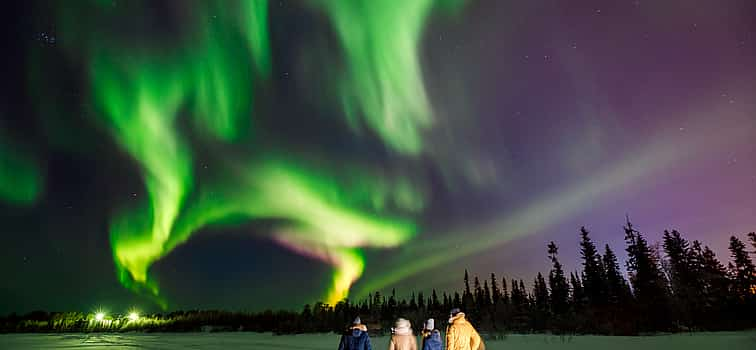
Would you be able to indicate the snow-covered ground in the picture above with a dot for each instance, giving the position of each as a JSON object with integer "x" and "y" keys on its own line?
{"x": 702, "y": 341}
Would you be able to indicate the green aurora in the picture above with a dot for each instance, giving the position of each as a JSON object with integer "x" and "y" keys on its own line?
{"x": 143, "y": 95}
{"x": 383, "y": 83}
{"x": 21, "y": 181}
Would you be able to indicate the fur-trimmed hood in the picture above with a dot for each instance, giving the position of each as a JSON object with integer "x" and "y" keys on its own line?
{"x": 459, "y": 317}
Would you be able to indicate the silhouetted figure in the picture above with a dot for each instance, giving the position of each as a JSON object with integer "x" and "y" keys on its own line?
{"x": 461, "y": 335}
{"x": 402, "y": 337}
{"x": 356, "y": 337}
{"x": 431, "y": 336}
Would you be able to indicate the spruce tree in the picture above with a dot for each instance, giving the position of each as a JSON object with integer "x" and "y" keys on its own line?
{"x": 478, "y": 293}
{"x": 467, "y": 283}
{"x": 468, "y": 301}
{"x": 495, "y": 292}
{"x": 618, "y": 291}
{"x": 486, "y": 295}
{"x": 649, "y": 285}
{"x": 578, "y": 293}
{"x": 593, "y": 279}
{"x": 678, "y": 255}
{"x": 712, "y": 287}
{"x": 504, "y": 291}
{"x": 541, "y": 303}
{"x": 557, "y": 282}
{"x": 742, "y": 270}
{"x": 524, "y": 292}
{"x": 684, "y": 281}
{"x": 516, "y": 295}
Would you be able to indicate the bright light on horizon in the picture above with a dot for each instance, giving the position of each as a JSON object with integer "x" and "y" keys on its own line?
{"x": 133, "y": 316}
{"x": 100, "y": 316}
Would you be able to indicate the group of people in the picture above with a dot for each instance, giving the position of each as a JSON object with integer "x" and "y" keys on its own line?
{"x": 460, "y": 335}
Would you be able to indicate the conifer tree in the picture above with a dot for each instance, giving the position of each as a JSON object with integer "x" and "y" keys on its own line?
{"x": 486, "y": 295}
{"x": 495, "y": 291}
{"x": 649, "y": 285}
{"x": 478, "y": 290}
{"x": 467, "y": 283}
{"x": 684, "y": 281}
{"x": 593, "y": 272}
{"x": 540, "y": 293}
{"x": 578, "y": 294}
{"x": 504, "y": 291}
{"x": 468, "y": 300}
{"x": 618, "y": 291}
{"x": 742, "y": 270}
{"x": 457, "y": 300}
{"x": 557, "y": 282}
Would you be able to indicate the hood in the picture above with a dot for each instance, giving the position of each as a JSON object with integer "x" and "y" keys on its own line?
{"x": 458, "y": 318}
{"x": 356, "y": 332}
{"x": 402, "y": 327}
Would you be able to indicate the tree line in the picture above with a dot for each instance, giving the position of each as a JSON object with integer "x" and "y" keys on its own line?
{"x": 673, "y": 286}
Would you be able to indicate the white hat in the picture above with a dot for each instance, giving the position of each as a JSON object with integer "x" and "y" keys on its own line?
{"x": 430, "y": 324}
{"x": 402, "y": 326}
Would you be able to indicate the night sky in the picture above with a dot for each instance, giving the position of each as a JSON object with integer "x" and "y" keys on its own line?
{"x": 249, "y": 155}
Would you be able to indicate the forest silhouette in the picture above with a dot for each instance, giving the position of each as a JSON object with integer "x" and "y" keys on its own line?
{"x": 675, "y": 286}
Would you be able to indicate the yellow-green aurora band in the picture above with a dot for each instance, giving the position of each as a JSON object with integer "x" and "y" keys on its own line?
{"x": 144, "y": 94}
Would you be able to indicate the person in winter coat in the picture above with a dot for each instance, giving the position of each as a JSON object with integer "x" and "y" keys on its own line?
{"x": 461, "y": 335}
{"x": 356, "y": 337}
{"x": 402, "y": 337}
{"x": 431, "y": 336}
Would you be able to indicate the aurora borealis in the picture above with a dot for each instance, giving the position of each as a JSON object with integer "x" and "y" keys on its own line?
{"x": 192, "y": 154}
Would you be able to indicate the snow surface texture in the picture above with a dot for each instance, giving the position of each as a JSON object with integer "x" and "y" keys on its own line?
{"x": 254, "y": 341}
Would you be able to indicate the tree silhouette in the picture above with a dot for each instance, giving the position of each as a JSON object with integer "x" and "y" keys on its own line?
{"x": 593, "y": 271}
{"x": 699, "y": 294}
{"x": 649, "y": 285}
{"x": 742, "y": 270}
{"x": 557, "y": 282}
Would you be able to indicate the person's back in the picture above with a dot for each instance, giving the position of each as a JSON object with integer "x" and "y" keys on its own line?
{"x": 461, "y": 335}
{"x": 403, "y": 342}
{"x": 432, "y": 341}
{"x": 402, "y": 338}
{"x": 431, "y": 336}
{"x": 356, "y": 338}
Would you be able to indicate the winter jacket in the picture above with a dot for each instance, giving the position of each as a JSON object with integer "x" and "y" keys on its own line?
{"x": 355, "y": 339}
{"x": 403, "y": 342}
{"x": 432, "y": 341}
{"x": 461, "y": 335}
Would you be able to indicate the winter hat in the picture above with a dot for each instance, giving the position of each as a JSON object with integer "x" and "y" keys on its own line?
{"x": 430, "y": 324}
{"x": 402, "y": 326}
{"x": 454, "y": 311}
{"x": 357, "y": 321}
